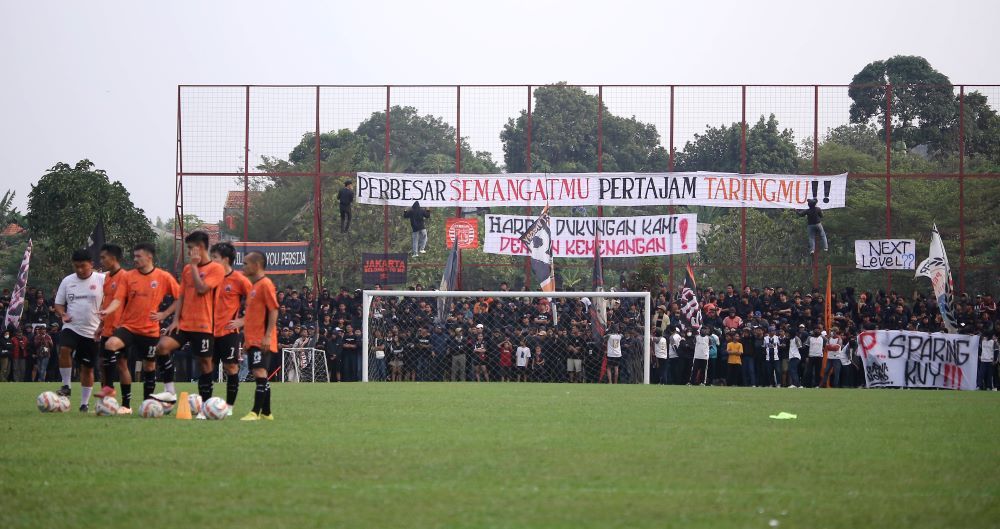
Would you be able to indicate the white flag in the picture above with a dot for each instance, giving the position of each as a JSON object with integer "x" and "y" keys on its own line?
{"x": 936, "y": 268}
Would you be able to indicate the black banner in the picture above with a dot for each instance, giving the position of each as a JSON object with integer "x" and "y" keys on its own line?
{"x": 282, "y": 257}
{"x": 383, "y": 268}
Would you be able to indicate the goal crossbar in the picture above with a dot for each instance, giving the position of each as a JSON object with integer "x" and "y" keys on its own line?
{"x": 369, "y": 294}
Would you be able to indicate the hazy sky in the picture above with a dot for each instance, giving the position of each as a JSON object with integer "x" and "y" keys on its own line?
{"x": 98, "y": 79}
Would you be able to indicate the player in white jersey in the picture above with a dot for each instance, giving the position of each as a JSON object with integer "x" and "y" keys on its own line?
{"x": 78, "y": 301}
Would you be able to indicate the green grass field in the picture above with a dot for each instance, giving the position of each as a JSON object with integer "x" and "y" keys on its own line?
{"x": 506, "y": 455}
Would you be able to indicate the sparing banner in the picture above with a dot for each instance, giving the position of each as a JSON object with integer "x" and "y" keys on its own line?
{"x": 727, "y": 190}
{"x": 912, "y": 359}
{"x": 617, "y": 236}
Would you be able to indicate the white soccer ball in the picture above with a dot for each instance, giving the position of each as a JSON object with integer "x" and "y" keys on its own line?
{"x": 63, "y": 405}
{"x": 151, "y": 409}
{"x": 107, "y": 407}
{"x": 195, "y": 401}
{"x": 167, "y": 407}
{"x": 215, "y": 409}
{"x": 47, "y": 402}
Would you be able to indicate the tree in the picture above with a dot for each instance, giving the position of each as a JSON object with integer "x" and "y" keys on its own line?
{"x": 769, "y": 150}
{"x": 564, "y": 136}
{"x": 924, "y": 108}
{"x": 63, "y": 208}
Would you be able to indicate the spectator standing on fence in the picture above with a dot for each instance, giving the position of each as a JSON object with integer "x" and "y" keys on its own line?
{"x": 346, "y": 197}
{"x": 418, "y": 216}
{"x": 813, "y": 215}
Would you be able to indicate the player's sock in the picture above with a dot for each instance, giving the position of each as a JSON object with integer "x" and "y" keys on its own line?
{"x": 232, "y": 388}
{"x": 266, "y": 409}
{"x": 205, "y": 386}
{"x": 85, "y": 394}
{"x": 258, "y": 396}
{"x": 148, "y": 384}
{"x": 66, "y": 373}
{"x": 166, "y": 366}
{"x": 126, "y": 395}
{"x": 110, "y": 367}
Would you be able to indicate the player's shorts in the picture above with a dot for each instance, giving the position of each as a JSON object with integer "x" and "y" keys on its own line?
{"x": 613, "y": 361}
{"x": 84, "y": 349}
{"x": 201, "y": 342}
{"x": 574, "y": 365}
{"x": 136, "y": 346}
{"x": 259, "y": 359}
{"x": 227, "y": 349}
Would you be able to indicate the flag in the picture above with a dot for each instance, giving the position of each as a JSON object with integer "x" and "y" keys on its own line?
{"x": 936, "y": 268}
{"x": 598, "y": 308}
{"x": 689, "y": 299}
{"x": 538, "y": 237}
{"x": 95, "y": 241}
{"x": 449, "y": 280}
{"x": 17, "y": 297}
{"x": 827, "y": 316}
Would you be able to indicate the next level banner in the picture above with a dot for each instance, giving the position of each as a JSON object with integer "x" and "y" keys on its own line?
{"x": 576, "y": 236}
{"x": 727, "y": 190}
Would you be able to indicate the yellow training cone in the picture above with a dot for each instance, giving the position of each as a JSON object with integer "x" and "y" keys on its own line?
{"x": 183, "y": 407}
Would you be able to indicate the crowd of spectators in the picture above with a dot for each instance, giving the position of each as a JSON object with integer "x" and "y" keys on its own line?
{"x": 748, "y": 337}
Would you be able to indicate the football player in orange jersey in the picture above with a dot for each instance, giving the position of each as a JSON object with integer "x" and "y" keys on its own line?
{"x": 195, "y": 309}
{"x": 228, "y": 323}
{"x": 260, "y": 332}
{"x": 139, "y": 296}
{"x": 114, "y": 276}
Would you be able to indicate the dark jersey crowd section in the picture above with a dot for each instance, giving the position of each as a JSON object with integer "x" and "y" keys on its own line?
{"x": 536, "y": 340}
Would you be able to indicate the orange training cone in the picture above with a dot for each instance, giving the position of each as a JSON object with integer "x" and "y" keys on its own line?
{"x": 183, "y": 407}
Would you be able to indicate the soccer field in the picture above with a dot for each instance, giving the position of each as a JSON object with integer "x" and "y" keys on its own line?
{"x": 512, "y": 455}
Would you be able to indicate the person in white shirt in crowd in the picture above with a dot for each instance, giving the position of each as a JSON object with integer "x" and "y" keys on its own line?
{"x": 78, "y": 301}
{"x": 815, "y": 360}
{"x": 699, "y": 368}
{"x": 712, "y": 372}
{"x": 660, "y": 353}
{"x": 614, "y": 353}
{"x": 772, "y": 360}
{"x": 794, "y": 358}
{"x": 674, "y": 357}
{"x": 522, "y": 356}
{"x": 834, "y": 359}
{"x": 987, "y": 362}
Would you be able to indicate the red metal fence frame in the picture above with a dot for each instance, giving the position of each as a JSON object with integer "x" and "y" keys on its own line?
{"x": 317, "y": 174}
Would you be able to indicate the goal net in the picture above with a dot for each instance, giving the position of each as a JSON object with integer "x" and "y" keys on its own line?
{"x": 438, "y": 336}
{"x": 304, "y": 364}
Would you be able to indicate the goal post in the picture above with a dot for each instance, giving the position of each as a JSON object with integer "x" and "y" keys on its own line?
{"x": 479, "y": 335}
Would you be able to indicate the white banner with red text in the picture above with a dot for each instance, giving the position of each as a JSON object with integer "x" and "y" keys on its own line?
{"x": 913, "y": 359}
{"x": 726, "y": 190}
{"x": 614, "y": 236}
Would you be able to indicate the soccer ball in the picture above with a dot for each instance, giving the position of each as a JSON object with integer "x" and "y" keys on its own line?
{"x": 167, "y": 407}
{"x": 151, "y": 409}
{"x": 107, "y": 407}
{"x": 195, "y": 401}
{"x": 63, "y": 405}
{"x": 47, "y": 402}
{"x": 215, "y": 409}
